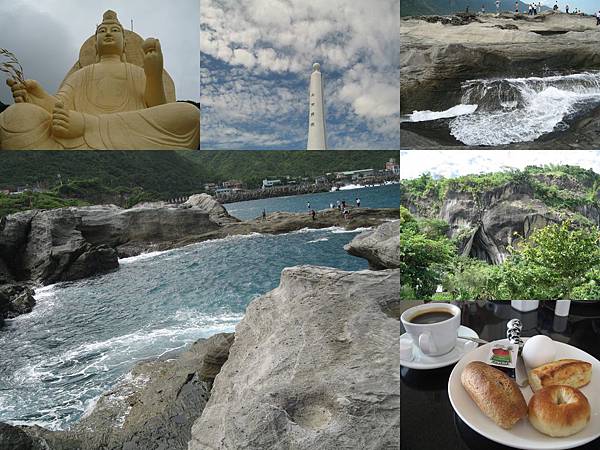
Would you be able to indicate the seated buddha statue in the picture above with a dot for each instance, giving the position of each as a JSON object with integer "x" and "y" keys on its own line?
{"x": 107, "y": 104}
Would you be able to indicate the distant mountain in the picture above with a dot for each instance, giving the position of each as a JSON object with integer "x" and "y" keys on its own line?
{"x": 428, "y": 7}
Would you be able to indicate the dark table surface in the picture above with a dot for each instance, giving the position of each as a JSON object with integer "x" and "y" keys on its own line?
{"x": 427, "y": 418}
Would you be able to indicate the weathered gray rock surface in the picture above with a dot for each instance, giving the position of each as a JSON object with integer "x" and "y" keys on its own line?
{"x": 15, "y": 299}
{"x": 13, "y": 438}
{"x": 314, "y": 365}
{"x": 486, "y": 224}
{"x": 49, "y": 246}
{"x": 381, "y": 247}
{"x": 439, "y": 53}
{"x": 154, "y": 408}
{"x": 215, "y": 210}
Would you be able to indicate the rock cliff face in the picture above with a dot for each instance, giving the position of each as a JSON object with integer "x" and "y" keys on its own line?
{"x": 380, "y": 247}
{"x": 315, "y": 364}
{"x": 154, "y": 407}
{"x": 487, "y": 224}
{"x": 439, "y": 53}
{"x": 215, "y": 210}
{"x": 71, "y": 243}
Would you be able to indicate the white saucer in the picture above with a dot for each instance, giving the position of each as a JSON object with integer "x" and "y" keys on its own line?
{"x": 424, "y": 362}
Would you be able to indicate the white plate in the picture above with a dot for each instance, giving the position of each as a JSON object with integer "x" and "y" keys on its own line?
{"x": 424, "y": 362}
{"x": 523, "y": 435}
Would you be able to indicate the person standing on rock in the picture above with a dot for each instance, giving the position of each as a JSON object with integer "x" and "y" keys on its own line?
{"x": 313, "y": 214}
{"x": 517, "y": 7}
{"x": 482, "y": 9}
{"x": 555, "y": 7}
{"x": 540, "y": 7}
{"x": 567, "y": 9}
{"x": 308, "y": 205}
{"x": 264, "y": 214}
{"x": 497, "y": 6}
{"x": 598, "y": 18}
{"x": 357, "y": 202}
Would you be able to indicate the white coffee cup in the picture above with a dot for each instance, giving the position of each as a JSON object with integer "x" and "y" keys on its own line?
{"x": 433, "y": 339}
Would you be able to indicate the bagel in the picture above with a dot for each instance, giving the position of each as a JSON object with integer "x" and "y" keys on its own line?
{"x": 559, "y": 411}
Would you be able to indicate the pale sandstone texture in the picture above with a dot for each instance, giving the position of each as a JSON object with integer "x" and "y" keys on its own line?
{"x": 315, "y": 365}
{"x": 381, "y": 247}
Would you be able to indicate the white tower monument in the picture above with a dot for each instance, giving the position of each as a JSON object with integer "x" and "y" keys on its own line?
{"x": 316, "y": 112}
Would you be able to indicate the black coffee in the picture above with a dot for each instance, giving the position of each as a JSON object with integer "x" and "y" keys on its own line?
{"x": 432, "y": 316}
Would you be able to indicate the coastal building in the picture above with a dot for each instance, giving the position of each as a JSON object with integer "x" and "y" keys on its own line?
{"x": 316, "y": 111}
{"x": 223, "y": 191}
{"x": 210, "y": 187}
{"x": 392, "y": 166}
{"x": 321, "y": 180}
{"x": 233, "y": 184}
{"x": 270, "y": 183}
{"x": 354, "y": 174}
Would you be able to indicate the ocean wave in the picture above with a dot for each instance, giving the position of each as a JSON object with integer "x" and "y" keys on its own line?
{"x": 458, "y": 110}
{"x": 317, "y": 240}
{"x": 523, "y": 109}
{"x": 356, "y": 230}
{"x": 142, "y": 256}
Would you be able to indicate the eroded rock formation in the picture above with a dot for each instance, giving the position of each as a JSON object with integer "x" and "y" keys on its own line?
{"x": 154, "y": 407}
{"x": 439, "y": 53}
{"x": 486, "y": 224}
{"x": 315, "y": 364}
{"x": 381, "y": 247}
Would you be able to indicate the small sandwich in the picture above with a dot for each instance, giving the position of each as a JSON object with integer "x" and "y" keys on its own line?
{"x": 566, "y": 372}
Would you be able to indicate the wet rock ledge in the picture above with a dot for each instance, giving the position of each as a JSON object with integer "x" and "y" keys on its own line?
{"x": 314, "y": 364}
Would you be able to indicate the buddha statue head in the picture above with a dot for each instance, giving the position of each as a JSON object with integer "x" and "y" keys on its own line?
{"x": 110, "y": 36}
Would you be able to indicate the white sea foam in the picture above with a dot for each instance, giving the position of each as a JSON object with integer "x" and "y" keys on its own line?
{"x": 317, "y": 240}
{"x": 356, "y": 230}
{"x": 142, "y": 256}
{"x": 458, "y": 110}
{"x": 523, "y": 109}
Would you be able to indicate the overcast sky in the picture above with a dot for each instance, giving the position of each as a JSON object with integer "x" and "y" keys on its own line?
{"x": 257, "y": 57}
{"x": 46, "y": 36}
{"x": 453, "y": 163}
{"x": 587, "y": 6}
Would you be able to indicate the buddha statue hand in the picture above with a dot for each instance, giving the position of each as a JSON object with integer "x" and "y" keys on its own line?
{"x": 31, "y": 92}
{"x": 67, "y": 124}
{"x": 153, "y": 58}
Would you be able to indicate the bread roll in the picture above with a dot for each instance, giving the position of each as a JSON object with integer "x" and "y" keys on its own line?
{"x": 566, "y": 372}
{"x": 495, "y": 393}
{"x": 559, "y": 411}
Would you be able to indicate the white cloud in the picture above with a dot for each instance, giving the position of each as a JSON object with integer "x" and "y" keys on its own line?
{"x": 358, "y": 39}
{"x": 453, "y": 163}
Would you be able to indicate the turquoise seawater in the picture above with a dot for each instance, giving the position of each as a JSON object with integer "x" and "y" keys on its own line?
{"x": 376, "y": 197}
{"x": 83, "y": 336}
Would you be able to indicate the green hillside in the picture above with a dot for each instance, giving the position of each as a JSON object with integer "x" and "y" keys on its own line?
{"x": 545, "y": 221}
{"x": 126, "y": 178}
{"x": 252, "y": 167}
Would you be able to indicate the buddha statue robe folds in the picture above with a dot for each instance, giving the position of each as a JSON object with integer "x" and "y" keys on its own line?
{"x": 106, "y": 104}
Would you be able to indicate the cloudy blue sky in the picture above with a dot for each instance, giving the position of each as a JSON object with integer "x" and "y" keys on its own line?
{"x": 453, "y": 163}
{"x": 257, "y": 56}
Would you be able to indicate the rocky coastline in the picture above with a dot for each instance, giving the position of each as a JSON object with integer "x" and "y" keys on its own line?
{"x": 297, "y": 373}
{"x": 40, "y": 247}
{"x": 440, "y": 53}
